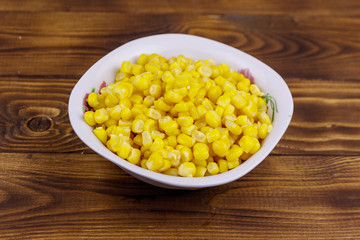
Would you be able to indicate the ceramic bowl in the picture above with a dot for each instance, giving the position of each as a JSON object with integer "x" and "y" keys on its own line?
{"x": 194, "y": 47}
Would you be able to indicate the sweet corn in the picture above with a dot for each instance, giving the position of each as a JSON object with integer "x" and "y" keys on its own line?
{"x": 213, "y": 168}
{"x": 200, "y": 171}
{"x": 155, "y": 161}
{"x": 187, "y": 169}
{"x": 186, "y": 154}
{"x": 101, "y": 115}
{"x": 89, "y": 118}
{"x": 212, "y": 118}
{"x": 201, "y": 151}
{"x": 178, "y": 116}
{"x": 93, "y": 100}
{"x": 233, "y": 127}
{"x": 101, "y": 134}
{"x": 185, "y": 140}
{"x": 134, "y": 157}
{"x": 234, "y": 153}
{"x": 220, "y": 147}
{"x": 223, "y": 165}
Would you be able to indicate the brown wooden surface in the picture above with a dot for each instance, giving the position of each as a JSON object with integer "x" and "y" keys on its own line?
{"x": 53, "y": 187}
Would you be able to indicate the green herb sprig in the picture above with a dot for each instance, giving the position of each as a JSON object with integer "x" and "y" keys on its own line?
{"x": 270, "y": 99}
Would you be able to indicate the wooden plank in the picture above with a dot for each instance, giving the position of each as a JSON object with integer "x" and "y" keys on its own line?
{"x": 83, "y": 195}
{"x": 321, "y": 121}
{"x": 297, "y": 47}
{"x": 240, "y": 7}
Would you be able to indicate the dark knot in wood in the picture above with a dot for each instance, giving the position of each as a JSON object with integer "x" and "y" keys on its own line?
{"x": 39, "y": 124}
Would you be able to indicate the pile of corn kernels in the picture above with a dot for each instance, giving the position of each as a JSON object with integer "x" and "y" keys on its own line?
{"x": 179, "y": 116}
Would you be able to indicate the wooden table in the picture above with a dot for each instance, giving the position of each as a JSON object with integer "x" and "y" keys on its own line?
{"x": 53, "y": 187}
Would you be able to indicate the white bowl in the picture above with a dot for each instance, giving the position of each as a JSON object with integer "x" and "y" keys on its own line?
{"x": 169, "y": 45}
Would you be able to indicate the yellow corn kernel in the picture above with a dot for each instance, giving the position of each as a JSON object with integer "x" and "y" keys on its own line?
{"x": 220, "y": 147}
{"x": 205, "y": 71}
{"x": 146, "y": 139}
{"x": 93, "y": 100}
{"x": 101, "y": 134}
{"x": 172, "y": 141}
{"x": 150, "y": 125}
{"x": 189, "y": 130}
{"x": 185, "y": 140}
{"x": 200, "y": 171}
{"x": 143, "y": 163}
{"x": 200, "y": 162}
{"x": 138, "y": 140}
{"x": 125, "y": 113}
{"x": 146, "y": 152}
{"x": 152, "y": 67}
{"x": 162, "y": 105}
{"x": 156, "y": 134}
{"x": 182, "y": 81}
{"x": 134, "y": 156}
{"x": 242, "y": 120}
{"x": 264, "y": 118}
{"x": 155, "y": 161}
{"x": 186, "y": 154}
{"x": 233, "y": 127}
{"x": 124, "y": 149}
{"x": 255, "y": 90}
{"x": 229, "y": 90}
{"x": 136, "y": 99}
{"x": 214, "y": 93}
{"x": 171, "y": 172}
{"x": 250, "y": 110}
{"x": 212, "y": 168}
{"x": 115, "y": 112}
{"x": 233, "y": 164}
{"x": 166, "y": 166}
{"x": 137, "y": 126}
{"x": 213, "y": 119}
{"x": 243, "y": 86}
{"x": 187, "y": 169}
{"x": 234, "y": 153}
{"x": 219, "y": 110}
{"x": 141, "y": 82}
{"x": 172, "y": 97}
{"x": 157, "y": 145}
{"x": 250, "y": 131}
{"x": 239, "y": 101}
{"x": 126, "y": 67}
{"x": 137, "y": 69}
{"x": 256, "y": 146}
{"x": 223, "y": 165}
{"x": 223, "y": 101}
{"x": 181, "y": 107}
{"x": 201, "y": 151}
{"x": 168, "y": 126}
{"x": 111, "y": 100}
{"x": 263, "y": 131}
{"x": 153, "y": 113}
{"x": 101, "y": 115}
{"x": 89, "y": 118}
{"x": 199, "y": 136}
{"x": 185, "y": 121}
{"x": 123, "y": 123}
{"x": 175, "y": 157}
{"x": 229, "y": 110}
{"x": 155, "y": 91}
{"x": 143, "y": 59}
{"x": 247, "y": 143}
{"x": 207, "y": 104}
{"x": 148, "y": 101}
{"x": 110, "y": 122}
{"x": 212, "y": 135}
{"x": 220, "y": 80}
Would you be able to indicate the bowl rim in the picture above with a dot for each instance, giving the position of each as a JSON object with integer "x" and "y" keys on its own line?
{"x": 160, "y": 179}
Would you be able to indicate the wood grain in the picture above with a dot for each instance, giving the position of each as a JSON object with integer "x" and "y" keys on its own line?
{"x": 59, "y": 196}
{"x": 54, "y": 187}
